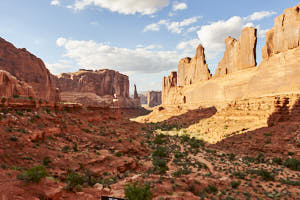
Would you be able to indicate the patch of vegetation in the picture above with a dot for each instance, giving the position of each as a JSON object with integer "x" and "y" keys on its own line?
{"x": 136, "y": 192}
{"x": 74, "y": 181}
{"x": 289, "y": 182}
{"x": 265, "y": 175}
{"x": 277, "y": 161}
{"x": 34, "y": 174}
{"x": 235, "y": 184}
{"x": 211, "y": 189}
{"x": 292, "y": 164}
{"x": 46, "y": 161}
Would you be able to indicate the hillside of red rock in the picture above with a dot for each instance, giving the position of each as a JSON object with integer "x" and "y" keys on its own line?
{"x": 235, "y": 135}
{"x": 27, "y": 68}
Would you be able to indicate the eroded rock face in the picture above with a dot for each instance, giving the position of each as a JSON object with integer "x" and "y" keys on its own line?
{"x": 192, "y": 70}
{"x": 101, "y": 82}
{"x": 28, "y": 68}
{"x": 169, "y": 83}
{"x": 95, "y": 88}
{"x": 285, "y": 34}
{"x": 10, "y": 86}
{"x": 154, "y": 98}
{"x": 239, "y": 54}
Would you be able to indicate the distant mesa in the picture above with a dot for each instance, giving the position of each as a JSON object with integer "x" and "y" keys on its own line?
{"x": 95, "y": 88}
{"x": 153, "y": 98}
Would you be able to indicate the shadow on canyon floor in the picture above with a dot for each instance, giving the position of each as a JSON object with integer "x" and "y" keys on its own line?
{"x": 282, "y": 133}
{"x": 187, "y": 119}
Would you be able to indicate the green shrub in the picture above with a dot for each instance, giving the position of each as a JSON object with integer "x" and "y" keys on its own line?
{"x": 74, "y": 181}
{"x": 46, "y": 161}
{"x": 235, "y": 184}
{"x": 211, "y": 189}
{"x": 292, "y": 164}
{"x": 135, "y": 192}
{"x": 289, "y": 182}
{"x": 34, "y": 174}
{"x": 277, "y": 161}
{"x": 267, "y": 176}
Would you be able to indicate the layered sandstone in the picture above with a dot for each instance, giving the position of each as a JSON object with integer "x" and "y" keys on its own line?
{"x": 285, "y": 34}
{"x": 239, "y": 54}
{"x": 153, "y": 98}
{"x": 10, "y": 86}
{"x": 278, "y": 73}
{"x": 95, "y": 88}
{"x": 192, "y": 70}
{"x": 28, "y": 68}
{"x": 169, "y": 87}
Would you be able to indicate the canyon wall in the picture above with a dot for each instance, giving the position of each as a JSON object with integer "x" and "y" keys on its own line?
{"x": 95, "y": 88}
{"x": 10, "y": 86}
{"x": 28, "y": 68}
{"x": 191, "y": 70}
{"x": 239, "y": 54}
{"x": 237, "y": 77}
{"x": 153, "y": 98}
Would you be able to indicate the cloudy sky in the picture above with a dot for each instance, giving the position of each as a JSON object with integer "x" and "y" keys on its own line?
{"x": 141, "y": 38}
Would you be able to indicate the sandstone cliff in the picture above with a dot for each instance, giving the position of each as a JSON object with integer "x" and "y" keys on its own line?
{"x": 192, "y": 70}
{"x": 169, "y": 87}
{"x": 153, "y": 98}
{"x": 277, "y": 74}
{"x": 10, "y": 86}
{"x": 28, "y": 68}
{"x": 285, "y": 34}
{"x": 95, "y": 88}
{"x": 239, "y": 54}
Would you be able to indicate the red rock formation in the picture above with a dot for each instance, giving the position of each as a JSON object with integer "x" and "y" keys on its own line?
{"x": 95, "y": 88}
{"x": 10, "y": 86}
{"x": 278, "y": 73}
{"x": 28, "y": 68}
{"x": 153, "y": 98}
{"x": 285, "y": 34}
{"x": 100, "y": 82}
{"x": 169, "y": 83}
{"x": 239, "y": 54}
{"x": 195, "y": 69}
{"x": 135, "y": 95}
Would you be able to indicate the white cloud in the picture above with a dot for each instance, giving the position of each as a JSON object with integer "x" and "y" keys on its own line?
{"x": 152, "y": 27}
{"x": 174, "y": 27}
{"x": 212, "y": 35}
{"x": 259, "y": 15}
{"x": 144, "y": 7}
{"x": 179, "y": 6}
{"x": 192, "y": 29}
{"x": 55, "y": 2}
{"x": 89, "y": 54}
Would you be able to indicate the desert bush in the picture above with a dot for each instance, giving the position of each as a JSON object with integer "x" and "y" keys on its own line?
{"x": 135, "y": 192}
{"x": 292, "y": 164}
{"x": 34, "y": 174}
{"x": 74, "y": 181}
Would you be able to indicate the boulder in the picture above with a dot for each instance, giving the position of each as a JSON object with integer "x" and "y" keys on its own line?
{"x": 195, "y": 69}
{"x": 239, "y": 54}
{"x": 27, "y": 68}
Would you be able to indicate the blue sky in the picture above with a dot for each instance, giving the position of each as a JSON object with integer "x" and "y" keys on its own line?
{"x": 142, "y": 38}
